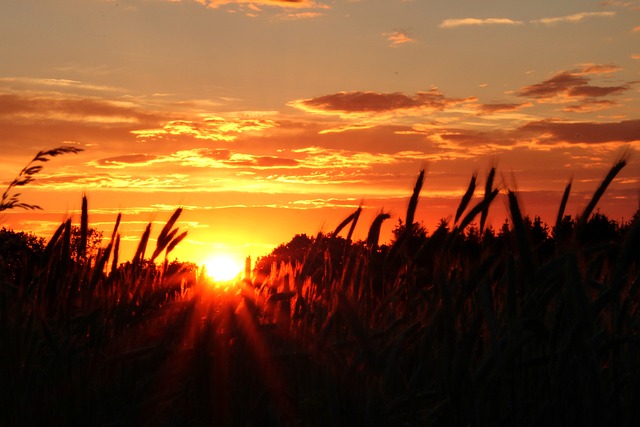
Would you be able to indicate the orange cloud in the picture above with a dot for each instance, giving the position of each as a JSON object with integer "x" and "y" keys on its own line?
{"x": 590, "y": 106}
{"x": 289, "y": 4}
{"x": 633, "y": 5}
{"x": 211, "y": 128}
{"x": 500, "y": 108}
{"x": 302, "y": 15}
{"x": 552, "y": 131}
{"x": 598, "y": 69}
{"x": 371, "y": 103}
{"x": 57, "y": 84}
{"x": 397, "y": 38}
{"x": 72, "y": 109}
{"x": 127, "y": 159}
{"x": 540, "y": 133}
{"x": 61, "y": 182}
{"x": 576, "y": 17}
{"x": 572, "y": 84}
{"x": 453, "y": 23}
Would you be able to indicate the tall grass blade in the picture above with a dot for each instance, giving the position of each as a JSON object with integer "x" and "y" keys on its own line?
{"x": 66, "y": 241}
{"x": 615, "y": 169}
{"x": 142, "y": 246}
{"x": 482, "y": 206}
{"x": 413, "y": 202}
{"x": 116, "y": 225}
{"x": 166, "y": 241}
{"x": 163, "y": 238}
{"x": 467, "y": 197}
{"x": 175, "y": 242}
{"x": 374, "y": 231}
{"x": 48, "y": 251}
{"x": 353, "y": 223}
{"x": 521, "y": 235}
{"x": 84, "y": 229}
{"x": 563, "y": 206}
{"x": 98, "y": 268}
{"x": 116, "y": 250}
{"x": 353, "y": 217}
{"x": 488, "y": 191}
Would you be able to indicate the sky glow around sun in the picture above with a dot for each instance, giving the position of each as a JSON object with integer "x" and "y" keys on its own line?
{"x": 269, "y": 118}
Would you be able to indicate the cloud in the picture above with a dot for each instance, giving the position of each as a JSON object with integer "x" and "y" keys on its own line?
{"x": 33, "y": 120}
{"x": 500, "y": 108}
{"x": 121, "y": 161}
{"x": 211, "y": 128}
{"x": 120, "y": 181}
{"x": 598, "y": 69}
{"x": 260, "y": 162}
{"x": 635, "y": 56}
{"x": 287, "y": 4}
{"x": 590, "y": 106}
{"x": 71, "y": 109}
{"x": 345, "y": 128}
{"x": 57, "y": 84}
{"x": 559, "y": 83}
{"x": 552, "y": 131}
{"x": 371, "y": 103}
{"x": 540, "y": 133}
{"x": 636, "y": 29}
{"x": 397, "y": 38}
{"x": 302, "y": 15}
{"x": 576, "y": 17}
{"x": 633, "y": 5}
{"x": 453, "y": 23}
{"x": 573, "y": 84}
{"x": 224, "y": 158}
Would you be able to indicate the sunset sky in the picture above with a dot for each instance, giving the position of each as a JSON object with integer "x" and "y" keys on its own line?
{"x": 268, "y": 118}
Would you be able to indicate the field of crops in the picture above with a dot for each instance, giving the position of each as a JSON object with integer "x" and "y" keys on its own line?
{"x": 525, "y": 326}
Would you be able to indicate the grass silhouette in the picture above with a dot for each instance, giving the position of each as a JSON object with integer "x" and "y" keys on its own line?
{"x": 431, "y": 331}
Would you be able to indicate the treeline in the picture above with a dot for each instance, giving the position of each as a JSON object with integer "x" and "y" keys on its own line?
{"x": 544, "y": 240}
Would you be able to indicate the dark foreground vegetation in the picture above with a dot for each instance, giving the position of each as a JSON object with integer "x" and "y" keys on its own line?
{"x": 467, "y": 326}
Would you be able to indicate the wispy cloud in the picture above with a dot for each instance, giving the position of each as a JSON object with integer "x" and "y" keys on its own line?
{"x": 301, "y": 15}
{"x": 576, "y": 17}
{"x": 55, "y": 84}
{"x": 287, "y": 4}
{"x": 397, "y": 38}
{"x": 125, "y": 160}
{"x": 71, "y": 109}
{"x": 500, "y": 108}
{"x": 633, "y": 5}
{"x": 552, "y": 131}
{"x": 540, "y": 133}
{"x": 210, "y": 128}
{"x": 371, "y": 103}
{"x": 574, "y": 84}
{"x": 453, "y": 23}
{"x": 589, "y": 106}
{"x": 598, "y": 69}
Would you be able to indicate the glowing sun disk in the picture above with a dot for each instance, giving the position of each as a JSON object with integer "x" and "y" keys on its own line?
{"x": 222, "y": 268}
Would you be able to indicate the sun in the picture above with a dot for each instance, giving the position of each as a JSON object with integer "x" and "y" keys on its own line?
{"x": 223, "y": 268}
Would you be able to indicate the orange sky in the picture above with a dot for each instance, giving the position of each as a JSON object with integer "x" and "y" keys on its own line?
{"x": 268, "y": 118}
